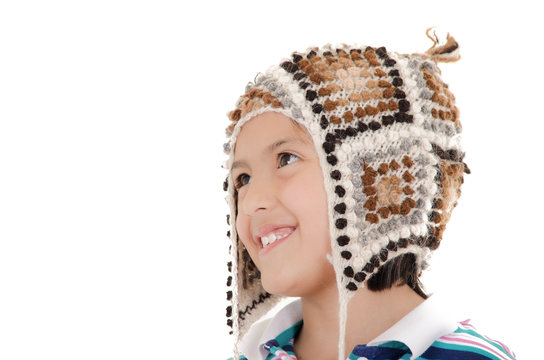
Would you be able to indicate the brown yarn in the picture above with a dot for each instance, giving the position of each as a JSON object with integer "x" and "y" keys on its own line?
{"x": 369, "y": 190}
{"x": 394, "y": 165}
{"x": 407, "y": 177}
{"x": 348, "y": 116}
{"x": 443, "y": 53}
{"x": 372, "y": 218}
{"x": 389, "y": 92}
{"x": 407, "y": 161}
{"x": 371, "y": 110}
{"x": 335, "y": 119}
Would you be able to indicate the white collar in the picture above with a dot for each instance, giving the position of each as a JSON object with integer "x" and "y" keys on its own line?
{"x": 420, "y": 327}
{"x": 252, "y": 345}
{"x": 417, "y": 330}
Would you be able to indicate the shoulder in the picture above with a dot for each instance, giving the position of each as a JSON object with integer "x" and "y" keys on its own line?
{"x": 467, "y": 343}
{"x": 251, "y": 341}
{"x": 279, "y": 327}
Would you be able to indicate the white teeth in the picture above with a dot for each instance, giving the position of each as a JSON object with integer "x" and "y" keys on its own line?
{"x": 272, "y": 237}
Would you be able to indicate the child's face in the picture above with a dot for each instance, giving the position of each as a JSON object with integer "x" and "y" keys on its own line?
{"x": 280, "y": 191}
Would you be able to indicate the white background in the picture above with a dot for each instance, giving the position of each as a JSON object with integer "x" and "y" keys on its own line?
{"x": 112, "y": 117}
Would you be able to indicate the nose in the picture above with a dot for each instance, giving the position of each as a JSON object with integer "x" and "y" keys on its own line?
{"x": 259, "y": 196}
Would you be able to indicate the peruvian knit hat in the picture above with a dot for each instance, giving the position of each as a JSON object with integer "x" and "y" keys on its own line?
{"x": 387, "y": 134}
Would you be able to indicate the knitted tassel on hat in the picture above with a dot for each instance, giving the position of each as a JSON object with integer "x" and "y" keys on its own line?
{"x": 387, "y": 134}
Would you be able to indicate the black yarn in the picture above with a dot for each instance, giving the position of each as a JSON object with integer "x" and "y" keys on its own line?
{"x": 362, "y": 127}
{"x": 324, "y": 122}
{"x": 340, "y": 208}
{"x": 317, "y": 108}
{"x": 348, "y": 271}
{"x": 289, "y": 67}
{"x": 340, "y": 191}
{"x": 389, "y": 62}
{"x": 341, "y": 223}
{"x": 403, "y": 117}
{"x": 336, "y": 175}
{"x": 388, "y": 120}
{"x": 402, "y": 243}
{"x": 397, "y": 81}
{"x": 394, "y": 72}
{"x": 328, "y": 147}
{"x": 351, "y": 286}
{"x": 254, "y": 303}
{"x": 381, "y": 52}
{"x": 374, "y": 125}
{"x": 399, "y": 94}
{"x": 311, "y": 95}
{"x": 404, "y": 105}
{"x": 297, "y": 58}
{"x": 299, "y": 76}
{"x": 368, "y": 268}
{"x": 360, "y": 276}
{"x": 384, "y": 254}
{"x": 342, "y": 240}
{"x": 330, "y": 137}
{"x": 351, "y": 131}
{"x": 392, "y": 246}
{"x": 340, "y": 133}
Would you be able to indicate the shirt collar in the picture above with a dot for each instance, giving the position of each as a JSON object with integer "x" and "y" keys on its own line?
{"x": 252, "y": 345}
{"x": 420, "y": 327}
{"x": 417, "y": 330}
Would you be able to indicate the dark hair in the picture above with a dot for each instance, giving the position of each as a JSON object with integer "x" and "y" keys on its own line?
{"x": 399, "y": 271}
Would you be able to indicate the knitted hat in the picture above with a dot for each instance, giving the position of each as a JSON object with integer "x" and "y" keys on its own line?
{"x": 387, "y": 134}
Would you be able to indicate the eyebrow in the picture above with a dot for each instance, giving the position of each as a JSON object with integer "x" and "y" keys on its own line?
{"x": 270, "y": 148}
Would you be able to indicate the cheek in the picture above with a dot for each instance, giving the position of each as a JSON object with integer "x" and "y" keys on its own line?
{"x": 244, "y": 234}
{"x": 307, "y": 196}
{"x": 242, "y": 227}
{"x": 312, "y": 193}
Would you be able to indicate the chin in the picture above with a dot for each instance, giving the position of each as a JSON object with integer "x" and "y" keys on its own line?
{"x": 280, "y": 286}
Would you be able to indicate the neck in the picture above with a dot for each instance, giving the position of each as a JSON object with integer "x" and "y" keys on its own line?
{"x": 369, "y": 314}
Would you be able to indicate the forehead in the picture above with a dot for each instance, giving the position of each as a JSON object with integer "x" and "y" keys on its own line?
{"x": 265, "y": 129}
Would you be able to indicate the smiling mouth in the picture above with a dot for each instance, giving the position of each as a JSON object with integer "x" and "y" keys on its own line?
{"x": 276, "y": 235}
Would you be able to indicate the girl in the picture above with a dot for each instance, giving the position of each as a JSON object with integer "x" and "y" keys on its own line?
{"x": 344, "y": 167}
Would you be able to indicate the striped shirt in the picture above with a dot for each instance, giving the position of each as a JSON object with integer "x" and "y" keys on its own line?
{"x": 423, "y": 334}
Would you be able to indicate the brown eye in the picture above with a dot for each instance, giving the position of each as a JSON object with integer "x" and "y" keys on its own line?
{"x": 241, "y": 180}
{"x": 287, "y": 158}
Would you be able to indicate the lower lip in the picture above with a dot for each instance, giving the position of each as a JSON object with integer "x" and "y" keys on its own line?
{"x": 269, "y": 248}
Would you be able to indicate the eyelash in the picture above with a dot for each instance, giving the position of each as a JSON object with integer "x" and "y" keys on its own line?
{"x": 238, "y": 182}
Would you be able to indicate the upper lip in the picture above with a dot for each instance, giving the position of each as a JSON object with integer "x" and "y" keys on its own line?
{"x": 267, "y": 229}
